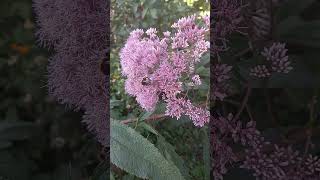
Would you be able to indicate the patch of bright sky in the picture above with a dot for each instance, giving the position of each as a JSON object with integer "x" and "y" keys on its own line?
{"x": 202, "y": 13}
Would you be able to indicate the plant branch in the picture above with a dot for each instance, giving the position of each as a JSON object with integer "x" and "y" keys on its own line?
{"x": 243, "y": 104}
{"x": 151, "y": 118}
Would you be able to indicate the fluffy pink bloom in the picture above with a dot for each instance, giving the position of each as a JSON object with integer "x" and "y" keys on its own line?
{"x": 157, "y": 66}
{"x": 198, "y": 115}
{"x": 175, "y": 108}
{"x": 196, "y": 80}
{"x": 167, "y": 34}
{"x": 178, "y": 106}
{"x": 206, "y": 20}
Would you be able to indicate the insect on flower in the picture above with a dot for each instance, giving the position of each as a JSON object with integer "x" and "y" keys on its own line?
{"x": 164, "y": 71}
{"x": 146, "y": 81}
{"x": 162, "y": 96}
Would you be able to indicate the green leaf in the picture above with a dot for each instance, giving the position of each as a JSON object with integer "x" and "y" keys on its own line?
{"x": 114, "y": 103}
{"x": 144, "y": 12}
{"x": 170, "y": 154}
{"x": 206, "y": 153}
{"x": 128, "y": 177}
{"x": 160, "y": 108}
{"x": 133, "y": 153}
{"x": 145, "y": 115}
{"x": 203, "y": 71}
{"x": 112, "y": 176}
{"x": 148, "y": 128}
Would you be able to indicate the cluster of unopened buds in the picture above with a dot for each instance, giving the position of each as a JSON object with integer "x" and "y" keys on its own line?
{"x": 277, "y": 61}
{"x": 159, "y": 68}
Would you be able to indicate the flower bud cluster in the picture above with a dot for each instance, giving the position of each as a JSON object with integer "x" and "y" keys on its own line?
{"x": 277, "y": 61}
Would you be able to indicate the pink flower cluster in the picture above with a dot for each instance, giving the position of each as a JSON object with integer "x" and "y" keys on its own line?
{"x": 227, "y": 20}
{"x": 158, "y": 68}
{"x": 278, "y": 61}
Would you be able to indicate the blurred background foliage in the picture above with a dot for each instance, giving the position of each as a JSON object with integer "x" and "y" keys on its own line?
{"x": 285, "y": 106}
{"x": 178, "y": 141}
{"x": 39, "y": 139}
{"x": 296, "y": 23}
{"x": 284, "y": 116}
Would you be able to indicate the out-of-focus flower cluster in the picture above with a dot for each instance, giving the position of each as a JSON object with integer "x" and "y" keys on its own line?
{"x": 159, "y": 68}
{"x": 266, "y": 161}
{"x": 234, "y": 142}
{"x": 227, "y": 19}
{"x": 77, "y": 33}
{"x": 282, "y": 163}
{"x": 277, "y": 61}
{"x": 224, "y": 129}
{"x": 220, "y": 87}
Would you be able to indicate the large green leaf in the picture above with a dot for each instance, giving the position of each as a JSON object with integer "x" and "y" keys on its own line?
{"x": 206, "y": 153}
{"x": 133, "y": 153}
{"x": 169, "y": 152}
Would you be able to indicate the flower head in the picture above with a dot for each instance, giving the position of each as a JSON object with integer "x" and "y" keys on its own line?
{"x": 155, "y": 65}
{"x": 76, "y": 31}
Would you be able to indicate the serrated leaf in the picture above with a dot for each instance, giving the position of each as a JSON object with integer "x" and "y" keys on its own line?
{"x": 133, "y": 153}
{"x": 148, "y": 128}
{"x": 169, "y": 152}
